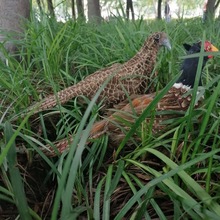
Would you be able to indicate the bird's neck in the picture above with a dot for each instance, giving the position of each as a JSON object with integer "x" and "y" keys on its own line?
{"x": 189, "y": 69}
{"x": 147, "y": 54}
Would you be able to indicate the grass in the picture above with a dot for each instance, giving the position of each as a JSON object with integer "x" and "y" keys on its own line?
{"x": 172, "y": 174}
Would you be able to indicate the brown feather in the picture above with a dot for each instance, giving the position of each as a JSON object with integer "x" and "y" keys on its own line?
{"x": 132, "y": 76}
{"x": 176, "y": 99}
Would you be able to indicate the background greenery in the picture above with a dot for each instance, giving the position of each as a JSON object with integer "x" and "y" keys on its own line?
{"x": 174, "y": 174}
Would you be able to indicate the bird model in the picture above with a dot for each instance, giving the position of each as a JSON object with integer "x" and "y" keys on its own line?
{"x": 176, "y": 99}
{"x": 133, "y": 77}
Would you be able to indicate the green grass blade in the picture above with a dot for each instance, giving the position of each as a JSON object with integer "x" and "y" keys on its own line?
{"x": 70, "y": 167}
{"x": 192, "y": 184}
{"x": 97, "y": 201}
{"x": 165, "y": 177}
{"x": 15, "y": 176}
{"x": 145, "y": 113}
{"x": 11, "y": 141}
{"x": 106, "y": 201}
{"x": 116, "y": 178}
{"x": 207, "y": 116}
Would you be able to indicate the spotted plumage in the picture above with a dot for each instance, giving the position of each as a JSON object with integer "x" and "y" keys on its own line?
{"x": 133, "y": 77}
{"x": 177, "y": 99}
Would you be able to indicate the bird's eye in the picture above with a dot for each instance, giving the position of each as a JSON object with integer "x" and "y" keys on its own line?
{"x": 157, "y": 37}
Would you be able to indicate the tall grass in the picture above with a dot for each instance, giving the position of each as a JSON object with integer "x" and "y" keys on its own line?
{"x": 172, "y": 174}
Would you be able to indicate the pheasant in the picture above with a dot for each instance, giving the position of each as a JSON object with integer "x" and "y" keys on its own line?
{"x": 176, "y": 99}
{"x": 133, "y": 77}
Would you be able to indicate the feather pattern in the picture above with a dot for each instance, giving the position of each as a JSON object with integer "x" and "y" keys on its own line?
{"x": 176, "y": 100}
{"x": 133, "y": 76}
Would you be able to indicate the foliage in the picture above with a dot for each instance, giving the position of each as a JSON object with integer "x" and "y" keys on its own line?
{"x": 174, "y": 173}
{"x": 142, "y": 8}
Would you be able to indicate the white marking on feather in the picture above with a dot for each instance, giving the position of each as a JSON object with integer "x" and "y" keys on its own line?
{"x": 177, "y": 85}
{"x": 180, "y": 85}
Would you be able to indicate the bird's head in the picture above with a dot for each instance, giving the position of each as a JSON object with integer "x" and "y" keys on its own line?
{"x": 161, "y": 39}
{"x": 196, "y": 47}
{"x": 208, "y": 47}
{"x": 190, "y": 65}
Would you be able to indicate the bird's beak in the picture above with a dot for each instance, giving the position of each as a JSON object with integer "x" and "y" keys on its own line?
{"x": 166, "y": 43}
{"x": 212, "y": 49}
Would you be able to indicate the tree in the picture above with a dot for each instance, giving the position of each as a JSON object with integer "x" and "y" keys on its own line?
{"x": 217, "y": 4}
{"x": 39, "y": 6}
{"x": 159, "y": 9}
{"x": 211, "y": 7}
{"x": 50, "y": 8}
{"x": 129, "y": 6}
{"x": 73, "y": 9}
{"x": 11, "y": 21}
{"x": 80, "y": 9}
{"x": 94, "y": 13}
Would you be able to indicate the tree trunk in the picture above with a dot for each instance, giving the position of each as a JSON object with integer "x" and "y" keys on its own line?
{"x": 50, "y": 8}
{"x": 12, "y": 17}
{"x": 159, "y": 9}
{"x": 73, "y": 9}
{"x": 94, "y": 13}
{"x": 80, "y": 10}
{"x": 39, "y": 6}
{"x": 210, "y": 10}
{"x": 217, "y": 4}
{"x": 180, "y": 9}
{"x": 128, "y": 8}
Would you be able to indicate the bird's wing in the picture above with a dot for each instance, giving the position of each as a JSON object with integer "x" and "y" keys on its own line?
{"x": 86, "y": 87}
{"x": 120, "y": 120}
